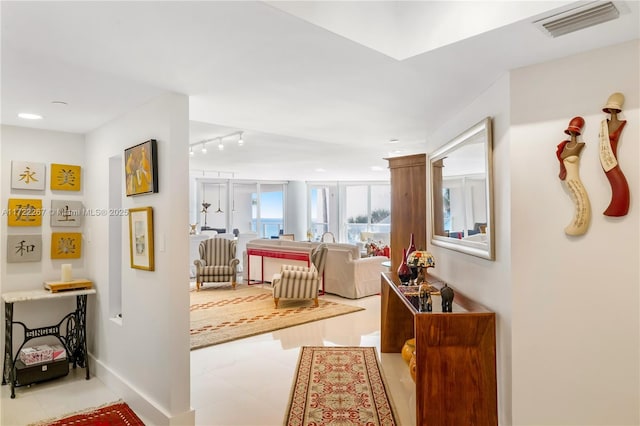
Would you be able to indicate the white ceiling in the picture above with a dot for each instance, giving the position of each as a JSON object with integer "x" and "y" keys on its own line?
{"x": 314, "y": 84}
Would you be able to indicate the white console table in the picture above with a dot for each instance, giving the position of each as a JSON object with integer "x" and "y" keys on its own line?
{"x": 74, "y": 337}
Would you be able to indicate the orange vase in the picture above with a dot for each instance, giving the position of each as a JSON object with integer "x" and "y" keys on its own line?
{"x": 407, "y": 350}
{"x": 412, "y": 366}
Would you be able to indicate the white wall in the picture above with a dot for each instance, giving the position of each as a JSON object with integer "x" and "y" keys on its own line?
{"x": 41, "y": 146}
{"x": 575, "y": 299}
{"x": 296, "y": 210}
{"x": 568, "y": 349}
{"x": 485, "y": 281}
{"x": 145, "y": 355}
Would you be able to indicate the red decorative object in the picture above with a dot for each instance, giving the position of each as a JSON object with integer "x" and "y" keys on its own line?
{"x": 411, "y": 248}
{"x": 376, "y": 249}
{"x": 610, "y": 131}
{"x": 568, "y": 154}
{"x": 339, "y": 385}
{"x": 118, "y": 414}
{"x": 404, "y": 272}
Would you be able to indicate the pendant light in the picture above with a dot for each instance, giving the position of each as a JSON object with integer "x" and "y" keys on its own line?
{"x": 219, "y": 209}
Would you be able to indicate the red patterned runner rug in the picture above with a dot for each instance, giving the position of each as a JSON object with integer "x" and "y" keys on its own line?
{"x": 114, "y": 414}
{"x": 339, "y": 386}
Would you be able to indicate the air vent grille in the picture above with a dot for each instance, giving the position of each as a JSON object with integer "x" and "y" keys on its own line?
{"x": 578, "y": 18}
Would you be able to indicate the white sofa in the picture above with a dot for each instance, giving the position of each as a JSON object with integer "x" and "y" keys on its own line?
{"x": 346, "y": 274}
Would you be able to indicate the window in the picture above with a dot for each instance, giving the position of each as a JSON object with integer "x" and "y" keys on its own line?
{"x": 269, "y": 211}
{"x": 367, "y": 210}
{"x": 245, "y": 206}
{"x": 446, "y": 207}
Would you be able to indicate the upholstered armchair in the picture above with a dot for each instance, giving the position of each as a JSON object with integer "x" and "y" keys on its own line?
{"x": 217, "y": 262}
{"x": 300, "y": 282}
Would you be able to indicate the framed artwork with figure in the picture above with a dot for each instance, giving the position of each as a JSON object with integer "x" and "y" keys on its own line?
{"x": 141, "y": 238}
{"x": 141, "y": 168}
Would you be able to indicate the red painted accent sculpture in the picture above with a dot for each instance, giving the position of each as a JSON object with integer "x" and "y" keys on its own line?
{"x": 568, "y": 154}
{"x": 610, "y": 131}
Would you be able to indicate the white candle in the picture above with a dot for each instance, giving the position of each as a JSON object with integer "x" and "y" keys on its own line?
{"x": 66, "y": 272}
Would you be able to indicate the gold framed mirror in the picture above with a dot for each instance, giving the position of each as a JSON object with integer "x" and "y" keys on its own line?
{"x": 462, "y": 193}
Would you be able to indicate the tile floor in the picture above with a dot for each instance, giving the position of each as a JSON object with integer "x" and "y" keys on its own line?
{"x": 245, "y": 382}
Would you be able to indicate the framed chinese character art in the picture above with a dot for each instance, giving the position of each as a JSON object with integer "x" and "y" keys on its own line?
{"x": 27, "y": 175}
{"x": 141, "y": 238}
{"x": 141, "y": 168}
{"x": 24, "y": 248}
{"x": 24, "y": 212}
{"x": 65, "y": 177}
{"x": 66, "y": 213}
{"x": 66, "y": 245}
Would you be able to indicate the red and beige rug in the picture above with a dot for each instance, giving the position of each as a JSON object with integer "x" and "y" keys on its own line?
{"x": 339, "y": 386}
{"x": 219, "y": 315}
{"x": 114, "y": 414}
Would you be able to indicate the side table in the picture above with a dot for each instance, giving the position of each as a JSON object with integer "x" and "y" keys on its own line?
{"x": 71, "y": 331}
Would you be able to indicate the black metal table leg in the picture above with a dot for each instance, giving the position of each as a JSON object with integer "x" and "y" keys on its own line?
{"x": 8, "y": 373}
{"x": 81, "y": 313}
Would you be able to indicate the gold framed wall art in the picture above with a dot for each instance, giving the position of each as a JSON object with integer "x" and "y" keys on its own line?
{"x": 141, "y": 238}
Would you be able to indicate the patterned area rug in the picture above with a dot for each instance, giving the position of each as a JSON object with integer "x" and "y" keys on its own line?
{"x": 339, "y": 386}
{"x": 114, "y": 414}
{"x": 221, "y": 314}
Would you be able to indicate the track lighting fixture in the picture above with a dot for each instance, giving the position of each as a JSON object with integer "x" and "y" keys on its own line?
{"x": 220, "y": 140}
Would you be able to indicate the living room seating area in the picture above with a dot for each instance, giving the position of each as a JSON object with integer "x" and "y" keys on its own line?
{"x": 346, "y": 273}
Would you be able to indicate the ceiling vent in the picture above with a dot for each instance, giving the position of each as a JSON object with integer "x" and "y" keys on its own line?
{"x": 575, "y": 19}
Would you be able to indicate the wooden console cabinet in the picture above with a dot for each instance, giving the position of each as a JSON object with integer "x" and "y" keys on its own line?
{"x": 455, "y": 357}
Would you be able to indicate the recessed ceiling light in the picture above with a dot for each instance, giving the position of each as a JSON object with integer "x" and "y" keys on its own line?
{"x": 393, "y": 141}
{"x": 30, "y": 116}
{"x": 320, "y": 170}
{"x": 59, "y": 103}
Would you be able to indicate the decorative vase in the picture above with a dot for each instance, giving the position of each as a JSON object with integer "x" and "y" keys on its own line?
{"x": 412, "y": 366}
{"x": 408, "y": 349}
{"x": 404, "y": 272}
{"x": 411, "y": 249}
{"x": 412, "y": 246}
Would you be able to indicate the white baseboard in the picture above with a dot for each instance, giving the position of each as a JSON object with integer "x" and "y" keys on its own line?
{"x": 148, "y": 411}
